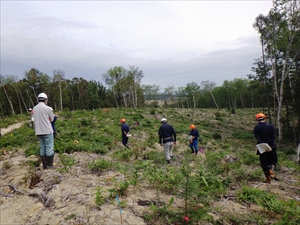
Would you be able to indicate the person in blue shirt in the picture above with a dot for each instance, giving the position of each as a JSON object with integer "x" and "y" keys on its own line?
{"x": 125, "y": 132}
{"x": 194, "y": 135}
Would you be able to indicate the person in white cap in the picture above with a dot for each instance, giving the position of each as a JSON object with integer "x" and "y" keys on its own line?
{"x": 32, "y": 118}
{"x": 43, "y": 116}
{"x": 167, "y": 138}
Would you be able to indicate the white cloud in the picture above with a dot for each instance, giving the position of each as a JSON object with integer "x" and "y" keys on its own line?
{"x": 172, "y": 42}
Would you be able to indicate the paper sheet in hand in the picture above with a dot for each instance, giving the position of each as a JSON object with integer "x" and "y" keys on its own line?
{"x": 263, "y": 147}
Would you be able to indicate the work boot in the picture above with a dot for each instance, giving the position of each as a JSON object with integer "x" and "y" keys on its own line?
{"x": 268, "y": 177}
{"x": 192, "y": 151}
{"x": 273, "y": 173}
{"x": 44, "y": 162}
{"x": 50, "y": 161}
{"x": 196, "y": 152}
{"x": 169, "y": 161}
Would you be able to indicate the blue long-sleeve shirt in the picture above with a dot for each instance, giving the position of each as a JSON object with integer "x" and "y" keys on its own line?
{"x": 195, "y": 134}
{"x": 124, "y": 128}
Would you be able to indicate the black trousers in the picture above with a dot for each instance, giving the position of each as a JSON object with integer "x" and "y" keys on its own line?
{"x": 268, "y": 158}
{"x": 124, "y": 140}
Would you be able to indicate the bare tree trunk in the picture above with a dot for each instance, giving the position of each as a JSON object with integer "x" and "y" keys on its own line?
{"x": 229, "y": 100}
{"x": 9, "y": 101}
{"x": 265, "y": 81}
{"x": 72, "y": 97}
{"x": 213, "y": 99}
{"x": 115, "y": 97}
{"x": 35, "y": 95}
{"x": 134, "y": 97}
{"x": 242, "y": 101}
{"x": 79, "y": 97}
{"x": 124, "y": 100}
{"x": 27, "y": 92}
{"x": 194, "y": 101}
{"x": 279, "y": 101}
{"x": 60, "y": 95}
{"x": 22, "y": 100}
{"x": 21, "y": 111}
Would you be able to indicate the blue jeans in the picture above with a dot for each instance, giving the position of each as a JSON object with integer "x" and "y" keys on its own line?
{"x": 194, "y": 145}
{"x": 47, "y": 144}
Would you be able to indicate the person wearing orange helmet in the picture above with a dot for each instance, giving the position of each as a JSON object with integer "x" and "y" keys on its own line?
{"x": 194, "y": 135}
{"x": 125, "y": 132}
{"x": 265, "y": 133}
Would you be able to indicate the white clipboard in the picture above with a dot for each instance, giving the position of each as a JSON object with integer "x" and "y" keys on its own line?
{"x": 263, "y": 147}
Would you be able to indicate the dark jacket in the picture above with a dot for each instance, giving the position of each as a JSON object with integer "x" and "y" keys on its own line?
{"x": 195, "y": 134}
{"x": 53, "y": 125}
{"x": 166, "y": 133}
{"x": 124, "y": 128}
{"x": 265, "y": 133}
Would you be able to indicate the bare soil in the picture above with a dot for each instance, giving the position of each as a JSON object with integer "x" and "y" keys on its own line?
{"x": 31, "y": 195}
{"x": 10, "y": 128}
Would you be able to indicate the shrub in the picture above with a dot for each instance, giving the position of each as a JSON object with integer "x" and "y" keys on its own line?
{"x": 217, "y": 136}
{"x": 99, "y": 165}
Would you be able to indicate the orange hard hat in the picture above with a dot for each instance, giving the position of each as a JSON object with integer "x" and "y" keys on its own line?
{"x": 192, "y": 126}
{"x": 260, "y": 116}
{"x": 122, "y": 120}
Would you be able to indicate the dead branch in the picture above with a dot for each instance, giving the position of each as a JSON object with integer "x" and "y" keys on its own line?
{"x": 148, "y": 202}
{"x": 15, "y": 189}
{"x": 67, "y": 196}
{"x": 46, "y": 201}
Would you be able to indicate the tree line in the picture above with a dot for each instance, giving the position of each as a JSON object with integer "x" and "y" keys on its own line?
{"x": 273, "y": 86}
{"x": 122, "y": 88}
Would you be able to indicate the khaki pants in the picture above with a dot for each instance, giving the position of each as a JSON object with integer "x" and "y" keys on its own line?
{"x": 168, "y": 146}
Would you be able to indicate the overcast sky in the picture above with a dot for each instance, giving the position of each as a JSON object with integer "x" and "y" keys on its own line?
{"x": 172, "y": 42}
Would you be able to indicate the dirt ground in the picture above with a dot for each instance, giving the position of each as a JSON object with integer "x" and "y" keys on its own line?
{"x": 10, "y": 128}
{"x": 36, "y": 196}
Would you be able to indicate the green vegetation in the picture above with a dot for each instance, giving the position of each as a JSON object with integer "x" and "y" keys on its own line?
{"x": 197, "y": 181}
{"x": 100, "y": 200}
